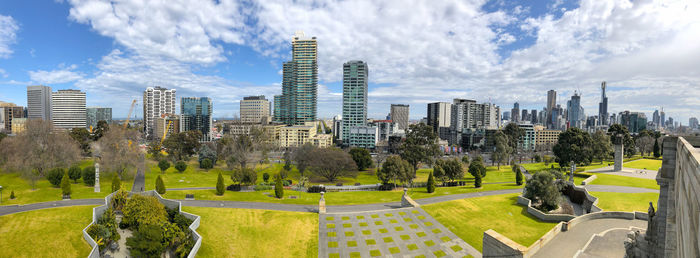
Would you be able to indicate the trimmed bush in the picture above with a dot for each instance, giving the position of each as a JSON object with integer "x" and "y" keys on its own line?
{"x": 431, "y": 183}
{"x": 220, "y": 185}
{"x": 116, "y": 183}
{"x": 74, "y": 173}
{"x": 477, "y": 180}
{"x": 163, "y": 165}
{"x": 89, "y": 176}
{"x": 12, "y": 195}
{"x": 518, "y": 175}
{"x": 54, "y": 176}
{"x": 279, "y": 189}
{"x": 266, "y": 177}
{"x": 235, "y": 188}
{"x": 316, "y": 189}
{"x": 65, "y": 184}
{"x": 181, "y": 166}
{"x": 206, "y": 164}
{"x": 160, "y": 186}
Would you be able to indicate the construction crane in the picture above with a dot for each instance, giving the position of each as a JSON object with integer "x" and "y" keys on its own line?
{"x": 165, "y": 132}
{"x": 131, "y": 109}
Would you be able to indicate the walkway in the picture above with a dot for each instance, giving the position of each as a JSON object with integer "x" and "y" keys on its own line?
{"x": 8, "y": 209}
{"x": 567, "y": 243}
{"x": 629, "y": 172}
{"x": 140, "y": 179}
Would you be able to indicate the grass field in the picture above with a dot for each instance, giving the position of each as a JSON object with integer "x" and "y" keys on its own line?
{"x": 605, "y": 179}
{"x": 469, "y": 218}
{"x": 55, "y": 232}
{"x": 46, "y": 192}
{"x": 625, "y": 201}
{"x": 650, "y": 164}
{"x": 256, "y": 233}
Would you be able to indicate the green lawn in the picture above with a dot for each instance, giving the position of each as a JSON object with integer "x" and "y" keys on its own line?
{"x": 469, "y": 218}
{"x": 46, "y": 192}
{"x": 605, "y": 179}
{"x": 625, "y": 201}
{"x": 256, "y": 233}
{"x": 650, "y": 164}
{"x": 55, "y": 232}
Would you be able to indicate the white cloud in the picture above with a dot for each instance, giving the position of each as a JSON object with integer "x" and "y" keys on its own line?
{"x": 8, "y": 35}
{"x": 61, "y": 75}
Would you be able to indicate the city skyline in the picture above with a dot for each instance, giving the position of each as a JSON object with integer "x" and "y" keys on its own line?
{"x": 114, "y": 66}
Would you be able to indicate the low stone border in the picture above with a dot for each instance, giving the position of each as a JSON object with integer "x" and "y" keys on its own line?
{"x": 497, "y": 245}
{"x": 589, "y": 205}
{"x": 589, "y": 180}
{"x": 407, "y": 201}
{"x": 99, "y": 210}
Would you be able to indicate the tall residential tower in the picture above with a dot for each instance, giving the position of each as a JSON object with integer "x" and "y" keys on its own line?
{"x": 399, "y": 114}
{"x": 68, "y": 109}
{"x": 603, "y": 106}
{"x": 297, "y": 103}
{"x": 156, "y": 102}
{"x": 39, "y": 102}
{"x": 354, "y": 97}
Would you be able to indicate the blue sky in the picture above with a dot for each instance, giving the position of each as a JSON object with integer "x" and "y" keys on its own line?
{"x": 417, "y": 51}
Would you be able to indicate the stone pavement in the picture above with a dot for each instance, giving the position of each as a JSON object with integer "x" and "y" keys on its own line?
{"x": 618, "y": 189}
{"x": 607, "y": 244}
{"x": 567, "y": 243}
{"x": 9, "y": 209}
{"x": 405, "y": 232}
{"x": 630, "y": 172}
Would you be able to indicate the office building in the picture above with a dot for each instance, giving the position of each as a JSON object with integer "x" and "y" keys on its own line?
{"x": 634, "y": 121}
{"x": 662, "y": 118}
{"x": 166, "y": 122}
{"x": 196, "y": 114}
{"x": 68, "y": 109}
{"x": 527, "y": 141}
{"x": 506, "y": 115}
{"x": 386, "y": 128}
{"x": 439, "y": 117}
{"x": 19, "y": 125}
{"x": 533, "y": 116}
{"x": 9, "y": 112}
{"x": 39, "y": 102}
{"x": 96, "y": 114}
{"x": 693, "y": 123}
{"x": 156, "y": 102}
{"x": 298, "y": 135}
{"x": 603, "y": 107}
{"x": 515, "y": 113}
{"x": 255, "y": 109}
{"x": 468, "y": 117}
{"x": 363, "y": 137}
{"x": 399, "y": 114}
{"x": 354, "y": 98}
{"x": 576, "y": 116}
{"x": 297, "y": 104}
{"x": 525, "y": 116}
{"x": 655, "y": 118}
{"x": 551, "y": 105}
{"x": 545, "y": 138}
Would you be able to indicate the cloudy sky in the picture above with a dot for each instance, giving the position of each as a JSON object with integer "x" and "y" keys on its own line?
{"x": 418, "y": 51}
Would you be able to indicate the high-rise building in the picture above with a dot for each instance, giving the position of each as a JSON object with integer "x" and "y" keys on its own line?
{"x": 655, "y": 118}
{"x": 169, "y": 122}
{"x": 524, "y": 116}
{"x": 634, "y": 121}
{"x": 399, "y": 114}
{"x": 515, "y": 113}
{"x": 355, "y": 78}
{"x": 196, "y": 114}
{"x": 603, "y": 106}
{"x": 68, "y": 109}
{"x": 506, "y": 115}
{"x": 439, "y": 117}
{"x": 468, "y": 117}
{"x": 96, "y": 114}
{"x": 551, "y": 105}
{"x": 255, "y": 109}
{"x": 39, "y": 102}
{"x": 297, "y": 104}
{"x": 576, "y": 116}
{"x": 8, "y": 113}
{"x": 693, "y": 123}
{"x": 533, "y": 116}
{"x": 662, "y": 118}
{"x": 156, "y": 102}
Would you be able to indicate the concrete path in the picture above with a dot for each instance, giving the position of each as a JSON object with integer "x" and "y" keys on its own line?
{"x": 606, "y": 244}
{"x": 140, "y": 180}
{"x": 567, "y": 243}
{"x": 629, "y": 172}
{"x": 9, "y": 209}
{"x": 191, "y": 188}
{"x": 250, "y": 205}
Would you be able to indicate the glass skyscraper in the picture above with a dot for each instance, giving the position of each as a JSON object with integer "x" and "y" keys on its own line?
{"x": 354, "y": 96}
{"x": 196, "y": 114}
{"x": 297, "y": 104}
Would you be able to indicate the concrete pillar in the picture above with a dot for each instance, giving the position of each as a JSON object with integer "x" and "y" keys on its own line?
{"x": 619, "y": 156}
{"x": 97, "y": 177}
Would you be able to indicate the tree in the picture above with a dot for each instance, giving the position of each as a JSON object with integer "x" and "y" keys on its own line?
{"x": 502, "y": 149}
{"x": 82, "y": 137}
{"x": 65, "y": 184}
{"x": 302, "y": 156}
{"x": 119, "y": 152}
{"x": 394, "y": 168}
{"x": 573, "y": 146}
{"x": 518, "y": 174}
{"x": 514, "y": 133}
{"x": 362, "y": 158}
{"x": 147, "y": 241}
{"x": 601, "y": 145}
{"x": 160, "y": 186}
{"x": 116, "y": 183}
{"x": 465, "y": 160}
{"x": 542, "y": 190}
{"x": 332, "y": 163}
{"x": 35, "y": 151}
{"x": 657, "y": 152}
{"x": 154, "y": 148}
{"x": 438, "y": 172}
{"x": 420, "y": 145}
{"x": 206, "y": 164}
{"x": 644, "y": 144}
{"x": 205, "y": 152}
{"x": 627, "y": 140}
{"x": 55, "y": 176}
{"x": 180, "y": 166}
{"x": 430, "y": 187}
{"x": 99, "y": 130}
{"x": 279, "y": 189}
{"x": 247, "y": 148}
{"x": 477, "y": 180}
{"x": 163, "y": 165}
{"x": 74, "y": 173}
{"x": 220, "y": 185}
{"x": 89, "y": 176}
{"x": 266, "y": 177}
{"x": 246, "y": 176}
{"x": 182, "y": 145}
{"x": 453, "y": 169}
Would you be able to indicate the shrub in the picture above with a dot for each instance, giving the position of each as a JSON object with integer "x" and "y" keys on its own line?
{"x": 119, "y": 199}
{"x": 518, "y": 175}
{"x": 262, "y": 187}
{"x": 65, "y": 184}
{"x": 74, "y": 173}
{"x": 160, "y": 186}
{"x": 234, "y": 187}
{"x": 246, "y": 176}
{"x": 279, "y": 189}
{"x": 477, "y": 180}
{"x": 386, "y": 187}
{"x": 147, "y": 241}
{"x": 116, "y": 183}
{"x": 220, "y": 185}
{"x": 206, "y": 164}
{"x": 288, "y": 182}
{"x": 362, "y": 158}
{"x": 316, "y": 189}
{"x": 54, "y": 176}
{"x": 12, "y": 195}
{"x": 266, "y": 177}
{"x": 543, "y": 191}
{"x": 141, "y": 210}
{"x": 431, "y": 183}
{"x": 181, "y": 166}
{"x": 163, "y": 165}
{"x": 89, "y": 176}
{"x": 206, "y": 153}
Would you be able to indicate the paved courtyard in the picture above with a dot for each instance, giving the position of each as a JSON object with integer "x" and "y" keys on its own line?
{"x": 407, "y": 232}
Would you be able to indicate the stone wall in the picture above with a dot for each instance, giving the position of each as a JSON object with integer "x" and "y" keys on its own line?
{"x": 541, "y": 215}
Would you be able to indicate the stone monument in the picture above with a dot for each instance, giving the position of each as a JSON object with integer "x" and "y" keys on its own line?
{"x": 322, "y": 204}
{"x": 619, "y": 153}
{"x": 97, "y": 177}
